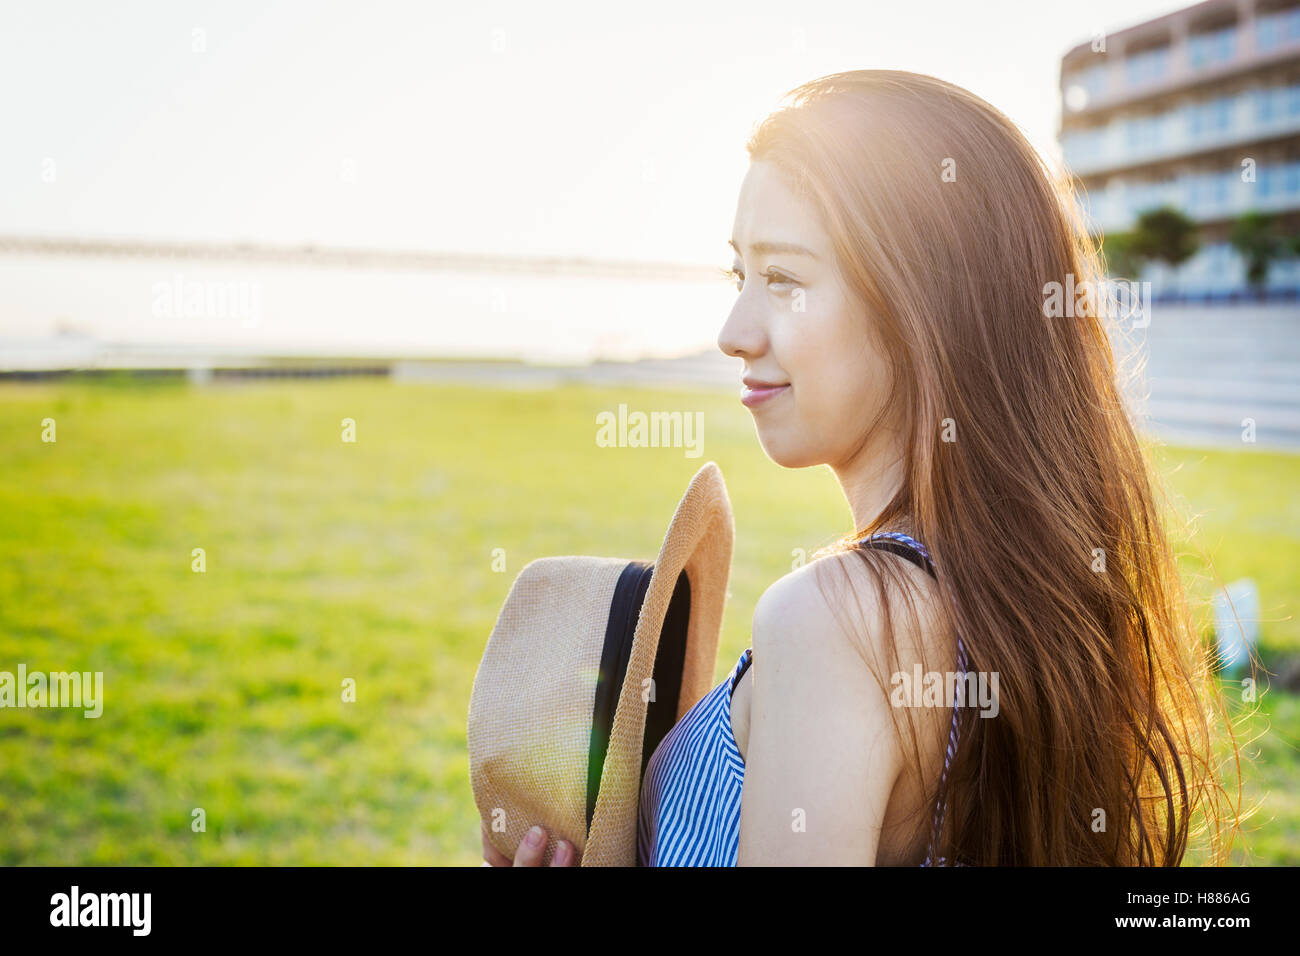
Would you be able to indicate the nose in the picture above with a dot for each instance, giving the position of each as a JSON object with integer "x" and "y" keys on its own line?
{"x": 743, "y": 333}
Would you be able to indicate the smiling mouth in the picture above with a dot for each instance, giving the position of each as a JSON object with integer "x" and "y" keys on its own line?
{"x": 751, "y": 397}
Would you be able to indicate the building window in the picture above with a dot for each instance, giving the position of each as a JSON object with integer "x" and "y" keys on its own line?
{"x": 1093, "y": 80}
{"x": 1210, "y": 49}
{"x": 1079, "y": 147}
{"x": 1210, "y": 118}
{"x": 1267, "y": 105}
{"x": 1278, "y": 180}
{"x": 1221, "y": 114}
{"x": 1147, "y": 67}
{"x": 1277, "y": 29}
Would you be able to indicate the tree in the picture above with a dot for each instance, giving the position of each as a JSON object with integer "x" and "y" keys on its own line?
{"x": 1256, "y": 237}
{"x": 1122, "y": 262}
{"x": 1166, "y": 235}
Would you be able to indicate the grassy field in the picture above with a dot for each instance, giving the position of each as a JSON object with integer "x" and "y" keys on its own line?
{"x": 328, "y": 560}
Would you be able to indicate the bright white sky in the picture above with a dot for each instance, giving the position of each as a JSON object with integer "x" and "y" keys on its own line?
{"x": 587, "y": 128}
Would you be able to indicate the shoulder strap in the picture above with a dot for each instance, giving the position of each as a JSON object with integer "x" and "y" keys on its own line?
{"x": 914, "y": 551}
{"x": 907, "y": 547}
{"x": 899, "y": 545}
{"x": 895, "y": 543}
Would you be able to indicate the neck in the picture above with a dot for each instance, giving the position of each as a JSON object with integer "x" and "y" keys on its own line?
{"x": 869, "y": 482}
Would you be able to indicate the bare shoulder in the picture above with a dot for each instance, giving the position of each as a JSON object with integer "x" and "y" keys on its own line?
{"x": 821, "y": 736}
{"x": 846, "y": 609}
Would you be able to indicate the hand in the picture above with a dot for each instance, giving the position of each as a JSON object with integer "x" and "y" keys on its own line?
{"x": 529, "y": 854}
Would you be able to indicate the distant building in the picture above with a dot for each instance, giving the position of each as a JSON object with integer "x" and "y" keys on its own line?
{"x": 1199, "y": 109}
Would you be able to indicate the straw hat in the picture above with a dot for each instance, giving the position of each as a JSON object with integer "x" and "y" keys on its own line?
{"x": 561, "y": 720}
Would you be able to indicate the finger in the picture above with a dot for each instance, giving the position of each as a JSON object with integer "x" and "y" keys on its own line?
{"x": 491, "y": 854}
{"x": 564, "y": 854}
{"x": 531, "y": 848}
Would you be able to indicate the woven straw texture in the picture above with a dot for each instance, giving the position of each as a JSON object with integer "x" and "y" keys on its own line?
{"x": 530, "y": 716}
{"x": 531, "y": 709}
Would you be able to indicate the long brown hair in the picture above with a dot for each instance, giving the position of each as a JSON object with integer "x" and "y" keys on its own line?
{"x": 1023, "y": 473}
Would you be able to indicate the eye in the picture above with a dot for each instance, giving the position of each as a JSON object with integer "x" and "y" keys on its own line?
{"x": 773, "y": 277}
{"x": 777, "y": 278}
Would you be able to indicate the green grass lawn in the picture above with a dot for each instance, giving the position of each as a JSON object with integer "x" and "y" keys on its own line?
{"x": 372, "y": 560}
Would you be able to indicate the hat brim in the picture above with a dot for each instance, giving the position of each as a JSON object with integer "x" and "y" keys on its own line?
{"x": 699, "y": 543}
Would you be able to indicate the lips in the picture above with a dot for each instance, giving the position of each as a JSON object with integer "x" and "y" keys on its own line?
{"x": 755, "y": 392}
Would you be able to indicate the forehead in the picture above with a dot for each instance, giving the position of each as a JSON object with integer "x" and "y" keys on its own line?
{"x": 769, "y": 210}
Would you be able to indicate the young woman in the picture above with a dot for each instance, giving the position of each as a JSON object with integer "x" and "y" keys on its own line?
{"x": 894, "y": 243}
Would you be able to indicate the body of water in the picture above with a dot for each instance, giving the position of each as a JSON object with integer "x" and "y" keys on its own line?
{"x": 1211, "y": 374}
{"x": 47, "y": 303}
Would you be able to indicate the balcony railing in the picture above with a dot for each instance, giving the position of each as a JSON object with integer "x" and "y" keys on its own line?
{"x": 1207, "y": 52}
{"x": 1217, "y": 272}
{"x": 1223, "y": 121}
{"x": 1201, "y": 196}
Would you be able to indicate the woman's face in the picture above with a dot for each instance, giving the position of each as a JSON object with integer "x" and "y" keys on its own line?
{"x": 800, "y": 329}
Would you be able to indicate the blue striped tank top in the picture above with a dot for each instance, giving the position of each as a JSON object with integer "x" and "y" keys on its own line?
{"x": 690, "y": 796}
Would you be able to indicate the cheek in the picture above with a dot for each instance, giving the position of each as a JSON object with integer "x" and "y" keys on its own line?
{"x": 839, "y": 375}
{"x": 831, "y": 353}
{"x": 846, "y": 398}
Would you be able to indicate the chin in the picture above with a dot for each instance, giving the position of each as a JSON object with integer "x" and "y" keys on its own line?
{"x": 789, "y": 451}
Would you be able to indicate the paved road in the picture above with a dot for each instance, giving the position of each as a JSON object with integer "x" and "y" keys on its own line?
{"x": 1210, "y": 369}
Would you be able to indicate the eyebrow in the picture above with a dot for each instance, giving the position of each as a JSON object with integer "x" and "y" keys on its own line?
{"x": 791, "y": 248}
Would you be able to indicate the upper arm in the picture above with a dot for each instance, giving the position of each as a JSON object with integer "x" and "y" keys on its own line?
{"x": 823, "y": 753}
